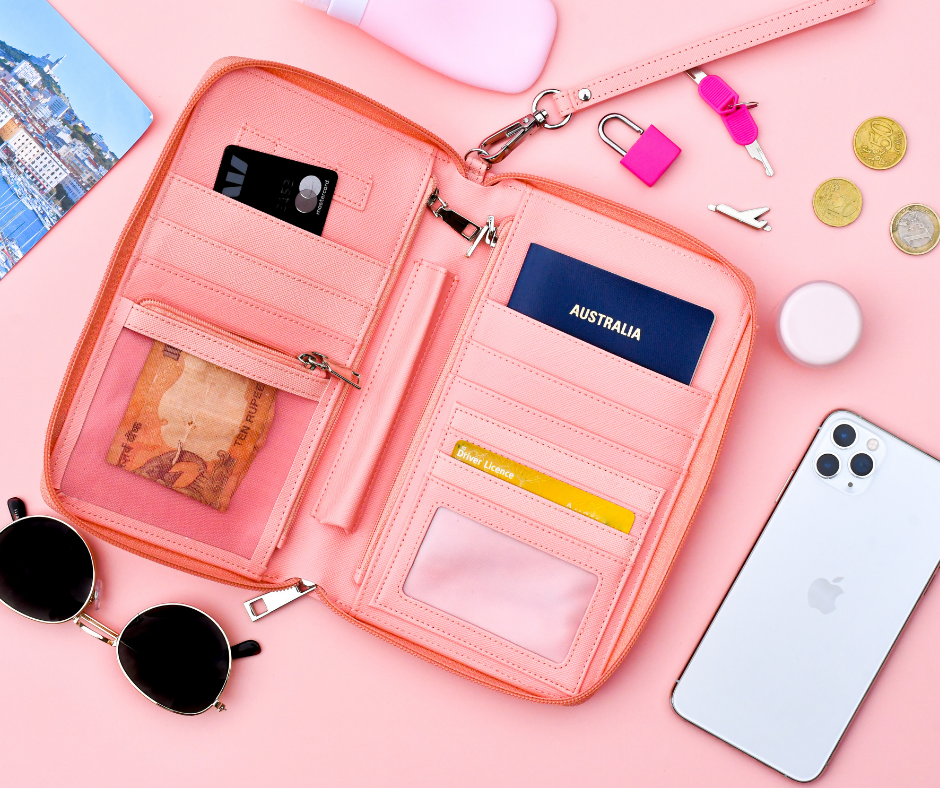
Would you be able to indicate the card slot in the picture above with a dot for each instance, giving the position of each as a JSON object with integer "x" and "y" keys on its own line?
{"x": 551, "y": 460}
{"x": 397, "y": 165}
{"x": 351, "y": 189}
{"x": 240, "y": 273}
{"x": 541, "y": 510}
{"x": 522, "y": 598}
{"x": 577, "y": 362}
{"x": 233, "y": 312}
{"x": 616, "y": 456}
{"x": 560, "y": 399}
{"x": 251, "y": 232}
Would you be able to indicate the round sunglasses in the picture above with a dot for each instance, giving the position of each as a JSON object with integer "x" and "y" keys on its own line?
{"x": 175, "y": 655}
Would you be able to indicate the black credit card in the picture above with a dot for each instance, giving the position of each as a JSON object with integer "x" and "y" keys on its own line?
{"x": 297, "y": 193}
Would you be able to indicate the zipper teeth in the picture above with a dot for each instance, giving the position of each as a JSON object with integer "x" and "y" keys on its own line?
{"x": 274, "y": 354}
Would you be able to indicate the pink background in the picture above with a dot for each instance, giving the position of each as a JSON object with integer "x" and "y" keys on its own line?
{"x": 327, "y": 704}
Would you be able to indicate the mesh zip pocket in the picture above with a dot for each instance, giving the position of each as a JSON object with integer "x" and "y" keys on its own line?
{"x": 189, "y": 496}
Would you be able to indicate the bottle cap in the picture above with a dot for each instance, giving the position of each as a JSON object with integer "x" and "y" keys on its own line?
{"x": 819, "y": 324}
{"x": 320, "y": 5}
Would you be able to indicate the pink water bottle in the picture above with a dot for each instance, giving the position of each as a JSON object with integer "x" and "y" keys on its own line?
{"x": 490, "y": 44}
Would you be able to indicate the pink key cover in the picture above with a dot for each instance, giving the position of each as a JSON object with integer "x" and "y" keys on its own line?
{"x": 741, "y": 126}
{"x": 717, "y": 94}
{"x": 651, "y": 155}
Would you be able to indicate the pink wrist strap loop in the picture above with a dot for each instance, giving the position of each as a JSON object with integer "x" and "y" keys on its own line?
{"x": 661, "y": 66}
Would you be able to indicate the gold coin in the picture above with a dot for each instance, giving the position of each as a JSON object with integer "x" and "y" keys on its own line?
{"x": 837, "y": 202}
{"x": 880, "y": 143}
{"x": 915, "y": 229}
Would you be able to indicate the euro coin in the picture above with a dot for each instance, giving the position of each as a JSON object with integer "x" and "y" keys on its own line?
{"x": 915, "y": 229}
{"x": 837, "y": 202}
{"x": 880, "y": 143}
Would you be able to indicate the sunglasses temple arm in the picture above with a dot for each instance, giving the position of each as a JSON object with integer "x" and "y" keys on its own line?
{"x": 17, "y": 508}
{"x": 247, "y": 648}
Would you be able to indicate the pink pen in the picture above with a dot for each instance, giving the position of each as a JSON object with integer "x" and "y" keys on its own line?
{"x": 737, "y": 116}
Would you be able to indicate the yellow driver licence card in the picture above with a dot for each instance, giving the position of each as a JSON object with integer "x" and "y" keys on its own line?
{"x": 545, "y": 486}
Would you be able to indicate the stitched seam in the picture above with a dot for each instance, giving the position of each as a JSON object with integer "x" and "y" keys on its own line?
{"x": 582, "y": 392}
{"x": 777, "y": 33}
{"x": 551, "y": 447}
{"x": 238, "y": 299}
{"x": 268, "y": 546}
{"x": 487, "y": 635}
{"x": 173, "y": 326}
{"x": 336, "y": 109}
{"x": 390, "y": 335}
{"x": 700, "y": 260}
{"x": 425, "y": 151}
{"x": 624, "y": 565}
{"x": 302, "y": 280}
{"x": 189, "y": 546}
{"x": 623, "y": 230}
{"x": 277, "y": 224}
{"x": 577, "y": 520}
{"x": 419, "y": 459}
{"x": 365, "y": 183}
{"x": 603, "y": 355}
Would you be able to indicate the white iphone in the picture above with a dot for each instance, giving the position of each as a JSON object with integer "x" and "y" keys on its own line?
{"x": 850, "y": 548}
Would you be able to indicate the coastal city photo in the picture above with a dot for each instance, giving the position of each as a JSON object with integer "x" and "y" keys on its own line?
{"x": 65, "y": 119}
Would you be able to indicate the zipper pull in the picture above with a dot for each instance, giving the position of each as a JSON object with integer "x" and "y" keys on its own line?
{"x": 468, "y": 230}
{"x": 260, "y": 606}
{"x": 488, "y": 235}
{"x": 319, "y": 361}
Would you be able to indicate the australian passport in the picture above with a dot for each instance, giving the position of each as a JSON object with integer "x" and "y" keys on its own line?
{"x": 639, "y": 323}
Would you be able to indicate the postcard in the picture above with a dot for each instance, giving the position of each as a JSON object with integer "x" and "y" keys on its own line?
{"x": 66, "y": 118}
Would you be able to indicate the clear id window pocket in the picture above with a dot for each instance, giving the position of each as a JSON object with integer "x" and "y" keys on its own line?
{"x": 502, "y": 580}
{"x": 507, "y": 587}
{"x": 189, "y": 438}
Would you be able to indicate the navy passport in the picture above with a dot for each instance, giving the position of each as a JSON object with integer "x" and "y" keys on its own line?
{"x": 639, "y": 323}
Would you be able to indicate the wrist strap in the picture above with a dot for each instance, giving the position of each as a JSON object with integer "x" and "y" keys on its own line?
{"x": 567, "y": 102}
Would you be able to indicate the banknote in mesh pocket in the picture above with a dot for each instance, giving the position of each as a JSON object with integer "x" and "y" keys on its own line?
{"x": 192, "y": 426}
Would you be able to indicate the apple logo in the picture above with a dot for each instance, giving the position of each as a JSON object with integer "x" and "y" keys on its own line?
{"x": 823, "y": 594}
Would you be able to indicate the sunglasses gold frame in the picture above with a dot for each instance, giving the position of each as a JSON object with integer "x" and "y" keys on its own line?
{"x": 110, "y": 637}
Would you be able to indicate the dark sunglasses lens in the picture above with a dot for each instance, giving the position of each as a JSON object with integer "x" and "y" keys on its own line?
{"x": 46, "y": 571}
{"x": 177, "y": 656}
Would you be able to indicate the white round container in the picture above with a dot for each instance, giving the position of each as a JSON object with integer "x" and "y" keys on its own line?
{"x": 819, "y": 324}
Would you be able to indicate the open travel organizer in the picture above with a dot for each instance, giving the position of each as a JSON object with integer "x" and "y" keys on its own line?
{"x": 525, "y": 596}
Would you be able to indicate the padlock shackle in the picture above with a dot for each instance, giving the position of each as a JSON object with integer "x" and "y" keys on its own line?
{"x": 608, "y": 140}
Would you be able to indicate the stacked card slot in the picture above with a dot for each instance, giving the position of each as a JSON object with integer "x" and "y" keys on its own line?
{"x": 566, "y": 409}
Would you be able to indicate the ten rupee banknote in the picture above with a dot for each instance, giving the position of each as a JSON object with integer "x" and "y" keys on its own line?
{"x": 192, "y": 426}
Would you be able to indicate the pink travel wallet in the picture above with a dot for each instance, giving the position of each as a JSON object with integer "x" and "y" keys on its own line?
{"x": 355, "y": 489}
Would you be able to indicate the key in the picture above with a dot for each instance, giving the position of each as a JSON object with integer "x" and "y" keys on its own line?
{"x": 736, "y": 115}
{"x": 756, "y": 152}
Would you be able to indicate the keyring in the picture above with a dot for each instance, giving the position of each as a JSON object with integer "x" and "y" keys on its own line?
{"x": 535, "y": 108}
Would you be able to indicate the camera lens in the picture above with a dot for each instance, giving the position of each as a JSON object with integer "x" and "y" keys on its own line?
{"x": 843, "y": 435}
{"x": 827, "y": 465}
{"x": 862, "y": 465}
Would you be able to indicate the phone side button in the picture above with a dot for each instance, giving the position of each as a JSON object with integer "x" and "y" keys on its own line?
{"x": 777, "y": 499}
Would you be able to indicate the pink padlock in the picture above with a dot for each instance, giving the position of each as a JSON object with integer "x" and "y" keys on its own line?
{"x": 650, "y": 156}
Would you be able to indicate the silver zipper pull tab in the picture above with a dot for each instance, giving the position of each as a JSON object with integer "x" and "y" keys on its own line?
{"x": 461, "y": 224}
{"x": 488, "y": 235}
{"x": 468, "y": 230}
{"x": 319, "y": 361}
{"x": 260, "y": 606}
